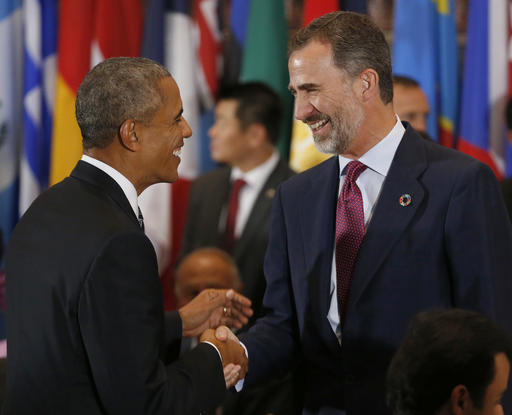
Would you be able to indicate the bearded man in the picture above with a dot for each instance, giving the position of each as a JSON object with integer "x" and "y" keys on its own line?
{"x": 391, "y": 225}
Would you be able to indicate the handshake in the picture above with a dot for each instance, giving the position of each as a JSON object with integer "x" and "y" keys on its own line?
{"x": 209, "y": 315}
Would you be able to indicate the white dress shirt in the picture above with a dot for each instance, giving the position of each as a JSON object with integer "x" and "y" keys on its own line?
{"x": 378, "y": 160}
{"x": 255, "y": 179}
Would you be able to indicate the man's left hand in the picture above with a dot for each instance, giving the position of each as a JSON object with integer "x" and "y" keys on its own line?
{"x": 212, "y": 308}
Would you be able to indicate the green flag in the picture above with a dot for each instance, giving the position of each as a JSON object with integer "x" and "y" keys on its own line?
{"x": 265, "y": 58}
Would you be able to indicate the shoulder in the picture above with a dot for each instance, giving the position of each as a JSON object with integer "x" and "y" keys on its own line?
{"x": 218, "y": 175}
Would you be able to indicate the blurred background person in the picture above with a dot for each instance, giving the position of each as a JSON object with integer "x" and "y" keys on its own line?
{"x": 203, "y": 268}
{"x": 410, "y": 102}
{"x": 506, "y": 184}
{"x": 229, "y": 208}
{"x": 450, "y": 362}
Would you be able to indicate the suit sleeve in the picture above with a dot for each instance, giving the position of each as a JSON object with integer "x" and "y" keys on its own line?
{"x": 122, "y": 324}
{"x": 479, "y": 244}
{"x": 272, "y": 342}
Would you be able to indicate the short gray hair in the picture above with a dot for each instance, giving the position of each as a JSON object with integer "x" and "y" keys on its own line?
{"x": 113, "y": 91}
{"x": 356, "y": 43}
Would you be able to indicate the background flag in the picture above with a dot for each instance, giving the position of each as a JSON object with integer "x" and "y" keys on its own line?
{"x": 425, "y": 49}
{"x": 191, "y": 51}
{"x": 40, "y": 25}
{"x": 11, "y": 97}
{"x": 485, "y": 84}
{"x": 265, "y": 59}
{"x": 89, "y": 31}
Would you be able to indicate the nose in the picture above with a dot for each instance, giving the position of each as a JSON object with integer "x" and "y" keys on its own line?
{"x": 211, "y": 131}
{"x": 303, "y": 108}
{"x": 187, "y": 131}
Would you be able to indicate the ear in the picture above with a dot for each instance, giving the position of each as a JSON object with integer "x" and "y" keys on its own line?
{"x": 460, "y": 401}
{"x": 367, "y": 85}
{"x": 256, "y": 134}
{"x": 128, "y": 136}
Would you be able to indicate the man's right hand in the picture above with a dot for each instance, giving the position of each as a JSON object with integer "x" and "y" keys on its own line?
{"x": 234, "y": 360}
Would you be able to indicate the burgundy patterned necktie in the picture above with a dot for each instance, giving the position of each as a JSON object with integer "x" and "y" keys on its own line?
{"x": 349, "y": 233}
{"x": 229, "y": 234}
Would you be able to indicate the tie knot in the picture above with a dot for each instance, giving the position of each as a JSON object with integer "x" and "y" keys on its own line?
{"x": 237, "y": 185}
{"x": 354, "y": 169}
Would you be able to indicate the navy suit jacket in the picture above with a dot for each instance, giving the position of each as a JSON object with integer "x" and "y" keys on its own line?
{"x": 451, "y": 247}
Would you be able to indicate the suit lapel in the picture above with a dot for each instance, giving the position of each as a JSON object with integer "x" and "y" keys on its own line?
{"x": 216, "y": 204}
{"x": 261, "y": 207}
{"x": 390, "y": 218}
{"x": 88, "y": 173}
{"x": 318, "y": 212}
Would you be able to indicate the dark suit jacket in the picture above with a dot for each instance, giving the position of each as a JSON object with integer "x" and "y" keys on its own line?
{"x": 86, "y": 326}
{"x": 208, "y": 195}
{"x": 452, "y": 246}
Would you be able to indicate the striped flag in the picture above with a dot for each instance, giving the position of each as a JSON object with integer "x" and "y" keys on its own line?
{"x": 40, "y": 25}
{"x": 11, "y": 98}
{"x": 485, "y": 84}
{"x": 191, "y": 51}
{"x": 425, "y": 49}
{"x": 89, "y": 31}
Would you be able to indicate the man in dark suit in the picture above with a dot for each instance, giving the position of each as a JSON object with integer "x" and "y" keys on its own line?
{"x": 246, "y": 128}
{"x": 451, "y": 362}
{"x": 390, "y": 226}
{"x": 86, "y": 325}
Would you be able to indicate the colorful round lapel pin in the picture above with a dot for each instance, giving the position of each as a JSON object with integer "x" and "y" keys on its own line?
{"x": 405, "y": 199}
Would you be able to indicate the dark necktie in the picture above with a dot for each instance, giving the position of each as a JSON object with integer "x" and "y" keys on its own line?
{"x": 141, "y": 220}
{"x": 229, "y": 234}
{"x": 349, "y": 233}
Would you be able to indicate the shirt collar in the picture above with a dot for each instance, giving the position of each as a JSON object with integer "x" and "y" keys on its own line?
{"x": 380, "y": 156}
{"x": 258, "y": 174}
{"x": 125, "y": 184}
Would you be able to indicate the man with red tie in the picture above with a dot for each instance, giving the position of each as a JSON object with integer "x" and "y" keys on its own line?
{"x": 229, "y": 207}
{"x": 391, "y": 225}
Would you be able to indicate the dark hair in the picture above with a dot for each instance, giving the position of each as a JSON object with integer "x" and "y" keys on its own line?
{"x": 112, "y": 92}
{"x": 356, "y": 43}
{"x": 508, "y": 113}
{"x": 257, "y": 103}
{"x": 405, "y": 81}
{"x": 443, "y": 349}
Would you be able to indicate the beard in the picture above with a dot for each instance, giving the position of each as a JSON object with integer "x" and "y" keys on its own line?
{"x": 345, "y": 123}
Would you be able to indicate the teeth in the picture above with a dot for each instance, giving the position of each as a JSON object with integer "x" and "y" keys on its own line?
{"x": 318, "y": 124}
{"x": 177, "y": 152}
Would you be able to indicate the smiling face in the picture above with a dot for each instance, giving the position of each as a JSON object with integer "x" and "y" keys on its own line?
{"x": 162, "y": 138}
{"x": 324, "y": 98}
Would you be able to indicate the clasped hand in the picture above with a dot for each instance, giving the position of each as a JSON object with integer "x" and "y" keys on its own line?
{"x": 234, "y": 359}
{"x": 212, "y": 308}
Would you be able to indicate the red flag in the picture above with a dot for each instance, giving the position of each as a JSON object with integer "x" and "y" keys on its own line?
{"x": 317, "y": 8}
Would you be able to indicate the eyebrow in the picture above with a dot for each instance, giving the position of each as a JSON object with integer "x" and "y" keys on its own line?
{"x": 303, "y": 87}
{"x": 180, "y": 113}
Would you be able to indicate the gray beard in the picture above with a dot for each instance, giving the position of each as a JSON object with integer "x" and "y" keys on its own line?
{"x": 342, "y": 133}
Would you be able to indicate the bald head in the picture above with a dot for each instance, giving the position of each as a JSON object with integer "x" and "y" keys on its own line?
{"x": 205, "y": 268}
